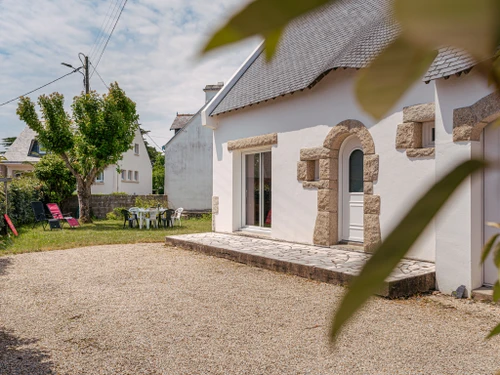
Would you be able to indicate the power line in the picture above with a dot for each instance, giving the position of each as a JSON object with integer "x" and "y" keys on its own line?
{"x": 102, "y": 28}
{"x": 95, "y": 70}
{"x": 107, "y": 27}
{"x": 38, "y": 88}
{"x": 156, "y": 144}
{"x": 109, "y": 37}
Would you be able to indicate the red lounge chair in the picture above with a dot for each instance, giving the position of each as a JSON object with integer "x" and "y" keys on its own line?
{"x": 57, "y": 214}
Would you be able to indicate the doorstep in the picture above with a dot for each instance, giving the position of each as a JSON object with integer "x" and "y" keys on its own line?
{"x": 336, "y": 264}
{"x": 485, "y": 293}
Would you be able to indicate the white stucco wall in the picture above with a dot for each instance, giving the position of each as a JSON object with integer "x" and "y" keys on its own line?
{"x": 303, "y": 120}
{"x": 188, "y": 167}
{"x": 460, "y": 224}
{"x": 130, "y": 162}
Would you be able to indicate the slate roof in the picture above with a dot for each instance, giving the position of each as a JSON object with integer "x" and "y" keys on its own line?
{"x": 180, "y": 120}
{"x": 19, "y": 150}
{"x": 345, "y": 34}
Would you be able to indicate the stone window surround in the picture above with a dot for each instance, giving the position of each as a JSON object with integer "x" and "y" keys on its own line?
{"x": 326, "y": 226}
{"x": 469, "y": 122}
{"x": 409, "y": 133}
{"x": 253, "y": 142}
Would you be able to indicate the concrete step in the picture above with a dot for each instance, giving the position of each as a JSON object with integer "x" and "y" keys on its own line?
{"x": 335, "y": 265}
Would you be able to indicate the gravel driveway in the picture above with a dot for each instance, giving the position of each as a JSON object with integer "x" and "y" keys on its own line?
{"x": 150, "y": 309}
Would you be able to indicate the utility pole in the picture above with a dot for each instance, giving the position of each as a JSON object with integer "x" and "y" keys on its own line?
{"x": 85, "y": 67}
{"x": 87, "y": 79}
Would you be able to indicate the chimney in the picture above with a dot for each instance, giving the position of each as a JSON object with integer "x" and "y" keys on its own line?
{"x": 212, "y": 90}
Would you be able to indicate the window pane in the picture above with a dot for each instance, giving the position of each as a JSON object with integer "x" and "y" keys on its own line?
{"x": 266, "y": 173}
{"x": 356, "y": 172}
{"x": 252, "y": 171}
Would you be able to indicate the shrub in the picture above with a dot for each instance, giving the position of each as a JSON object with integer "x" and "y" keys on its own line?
{"x": 148, "y": 202}
{"x": 22, "y": 191}
{"x": 115, "y": 214}
{"x": 58, "y": 182}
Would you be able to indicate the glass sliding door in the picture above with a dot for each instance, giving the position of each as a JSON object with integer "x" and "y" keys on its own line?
{"x": 258, "y": 180}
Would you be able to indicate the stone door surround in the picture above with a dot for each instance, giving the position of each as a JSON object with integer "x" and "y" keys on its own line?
{"x": 326, "y": 226}
{"x": 469, "y": 122}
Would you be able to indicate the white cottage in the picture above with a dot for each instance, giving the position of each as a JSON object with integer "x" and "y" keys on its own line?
{"x": 135, "y": 176}
{"x": 296, "y": 158}
{"x": 188, "y": 160}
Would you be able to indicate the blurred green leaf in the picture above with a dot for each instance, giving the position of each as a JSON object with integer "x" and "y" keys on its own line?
{"x": 397, "y": 244}
{"x": 271, "y": 43}
{"x": 261, "y": 17}
{"x": 496, "y": 291}
{"x": 495, "y": 331}
{"x": 390, "y": 75}
{"x": 469, "y": 24}
{"x": 488, "y": 246}
{"x": 496, "y": 255}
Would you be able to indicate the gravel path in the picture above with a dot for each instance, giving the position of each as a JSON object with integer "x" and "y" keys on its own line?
{"x": 150, "y": 309}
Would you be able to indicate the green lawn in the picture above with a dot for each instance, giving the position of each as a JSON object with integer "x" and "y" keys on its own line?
{"x": 101, "y": 232}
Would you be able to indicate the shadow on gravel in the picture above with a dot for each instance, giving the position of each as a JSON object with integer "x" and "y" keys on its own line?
{"x": 16, "y": 359}
{"x": 4, "y": 263}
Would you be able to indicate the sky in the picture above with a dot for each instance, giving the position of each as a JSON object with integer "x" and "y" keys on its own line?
{"x": 153, "y": 54}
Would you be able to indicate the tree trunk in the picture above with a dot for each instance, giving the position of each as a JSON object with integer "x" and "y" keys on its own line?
{"x": 83, "y": 190}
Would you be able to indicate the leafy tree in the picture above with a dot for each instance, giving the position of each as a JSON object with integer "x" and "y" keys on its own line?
{"x": 7, "y": 142}
{"x": 95, "y": 136}
{"x": 427, "y": 25}
{"x": 58, "y": 182}
{"x": 152, "y": 152}
{"x": 159, "y": 174}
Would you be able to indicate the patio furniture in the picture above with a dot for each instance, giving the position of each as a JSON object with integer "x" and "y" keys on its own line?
{"x": 166, "y": 217}
{"x": 151, "y": 220}
{"x": 130, "y": 218}
{"x": 40, "y": 215}
{"x": 177, "y": 216}
{"x": 58, "y": 215}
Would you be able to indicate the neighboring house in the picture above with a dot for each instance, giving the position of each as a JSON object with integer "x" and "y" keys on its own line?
{"x": 188, "y": 160}
{"x": 135, "y": 176}
{"x": 297, "y": 159}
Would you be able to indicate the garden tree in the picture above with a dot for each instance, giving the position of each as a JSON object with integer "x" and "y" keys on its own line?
{"x": 152, "y": 152}
{"x": 58, "y": 182}
{"x": 95, "y": 136}
{"x": 426, "y": 25}
{"x": 159, "y": 174}
{"x": 7, "y": 142}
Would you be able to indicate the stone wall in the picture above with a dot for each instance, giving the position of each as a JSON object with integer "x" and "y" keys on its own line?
{"x": 100, "y": 205}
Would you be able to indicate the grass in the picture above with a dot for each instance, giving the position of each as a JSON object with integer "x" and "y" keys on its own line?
{"x": 101, "y": 232}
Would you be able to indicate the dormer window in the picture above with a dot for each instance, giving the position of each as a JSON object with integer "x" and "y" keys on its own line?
{"x": 37, "y": 149}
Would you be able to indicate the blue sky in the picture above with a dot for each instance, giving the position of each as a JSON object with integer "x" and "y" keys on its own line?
{"x": 153, "y": 53}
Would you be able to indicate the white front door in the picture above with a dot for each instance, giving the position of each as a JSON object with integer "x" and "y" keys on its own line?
{"x": 351, "y": 190}
{"x": 491, "y": 148}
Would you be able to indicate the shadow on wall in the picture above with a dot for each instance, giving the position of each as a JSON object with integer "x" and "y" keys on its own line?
{"x": 16, "y": 358}
{"x": 4, "y": 263}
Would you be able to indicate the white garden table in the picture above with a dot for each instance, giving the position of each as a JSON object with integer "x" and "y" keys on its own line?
{"x": 143, "y": 212}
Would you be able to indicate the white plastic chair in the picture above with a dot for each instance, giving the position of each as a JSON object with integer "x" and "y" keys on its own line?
{"x": 152, "y": 219}
{"x": 177, "y": 216}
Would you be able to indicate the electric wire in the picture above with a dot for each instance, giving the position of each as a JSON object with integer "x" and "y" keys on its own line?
{"x": 109, "y": 37}
{"x": 38, "y": 88}
{"x": 101, "y": 29}
{"x": 111, "y": 18}
{"x": 156, "y": 144}
{"x": 104, "y": 83}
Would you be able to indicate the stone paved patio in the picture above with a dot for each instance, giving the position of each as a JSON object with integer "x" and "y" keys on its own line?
{"x": 337, "y": 264}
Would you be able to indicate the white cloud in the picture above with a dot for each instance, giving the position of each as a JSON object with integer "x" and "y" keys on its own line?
{"x": 153, "y": 53}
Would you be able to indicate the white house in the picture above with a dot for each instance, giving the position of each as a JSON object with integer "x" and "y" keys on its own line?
{"x": 135, "y": 176}
{"x": 295, "y": 157}
{"x": 188, "y": 160}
